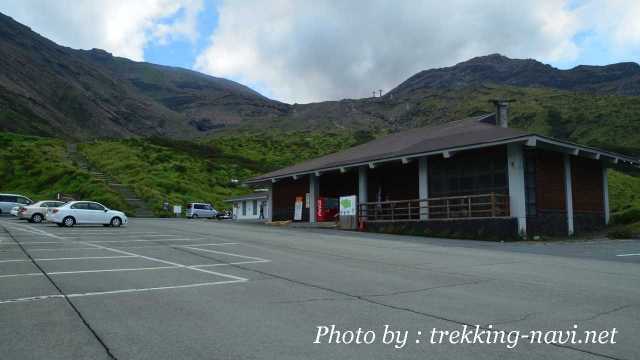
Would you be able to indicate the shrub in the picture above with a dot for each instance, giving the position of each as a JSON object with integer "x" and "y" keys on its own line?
{"x": 627, "y": 216}
{"x": 620, "y": 232}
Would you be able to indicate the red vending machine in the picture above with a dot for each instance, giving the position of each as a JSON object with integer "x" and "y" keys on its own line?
{"x": 327, "y": 209}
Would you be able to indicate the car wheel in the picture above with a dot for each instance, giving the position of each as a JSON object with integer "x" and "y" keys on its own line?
{"x": 116, "y": 222}
{"x": 37, "y": 218}
{"x": 69, "y": 221}
{"x": 195, "y": 216}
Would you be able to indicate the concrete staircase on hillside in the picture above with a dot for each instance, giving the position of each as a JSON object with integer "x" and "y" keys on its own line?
{"x": 140, "y": 208}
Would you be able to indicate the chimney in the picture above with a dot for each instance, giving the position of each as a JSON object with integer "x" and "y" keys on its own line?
{"x": 502, "y": 111}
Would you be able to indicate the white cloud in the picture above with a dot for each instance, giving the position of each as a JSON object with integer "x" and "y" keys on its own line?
{"x": 614, "y": 22}
{"x": 323, "y": 50}
{"x": 123, "y": 27}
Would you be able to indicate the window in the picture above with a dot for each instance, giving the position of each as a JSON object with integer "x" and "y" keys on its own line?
{"x": 255, "y": 207}
{"x": 244, "y": 208}
{"x": 7, "y": 198}
{"x": 22, "y": 200}
{"x": 467, "y": 174}
{"x": 80, "y": 206}
{"x": 94, "y": 206}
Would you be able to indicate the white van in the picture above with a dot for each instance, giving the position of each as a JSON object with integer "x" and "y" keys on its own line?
{"x": 9, "y": 201}
{"x": 200, "y": 210}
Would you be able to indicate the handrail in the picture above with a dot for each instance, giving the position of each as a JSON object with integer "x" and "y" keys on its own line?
{"x": 451, "y": 207}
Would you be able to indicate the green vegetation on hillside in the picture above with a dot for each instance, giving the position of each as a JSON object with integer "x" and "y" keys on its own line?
{"x": 38, "y": 168}
{"x": 182, "y": 171}
{"x": 606, "y": 121}
{"x": 276, "y": 149}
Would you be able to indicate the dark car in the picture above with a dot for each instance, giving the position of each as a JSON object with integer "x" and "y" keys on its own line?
{"x": 224, "y": 215}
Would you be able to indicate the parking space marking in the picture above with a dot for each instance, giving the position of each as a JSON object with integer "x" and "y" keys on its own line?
{"x": 89, "y": 271}
{"x": 124, "y": 291}
{"x": 45, "y": 233}
{"x": 22, "y": 274}
{"x": 31, "y": 298}
{"x": 225, "y": 253}
{"x": 142, "y": 240}
{"x": 95, "y": 245}
{"x": 35, "y": 242}
{"x": 622, "y": 255}
{"x": 125, "y": 236}
{"x": 68, "y": 258}
{"x": 212, "y": 244}
{"x": 64, "y": 249}
{"x": 233, "y": 263}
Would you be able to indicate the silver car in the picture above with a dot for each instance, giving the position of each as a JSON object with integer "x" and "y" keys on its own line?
{"x": 201, "y": 210}
{"x": 9, "y": 201}
{"x": 36, "y": 212}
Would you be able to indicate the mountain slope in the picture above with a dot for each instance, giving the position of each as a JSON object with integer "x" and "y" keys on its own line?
{"x": 615, "y": 79}
{"x": 49, "y": 89}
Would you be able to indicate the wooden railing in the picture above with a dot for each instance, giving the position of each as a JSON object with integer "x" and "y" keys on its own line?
{"x": 452, "y": 207}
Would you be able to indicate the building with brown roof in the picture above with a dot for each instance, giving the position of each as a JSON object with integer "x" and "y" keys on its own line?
{"x": 466, "y": 177}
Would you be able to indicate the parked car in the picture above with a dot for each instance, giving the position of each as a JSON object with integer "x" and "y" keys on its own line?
{"x": 15, "y": 210}
{"x": 224, "y": 215}
{"x": 9, "y": 201}
{"x": 36, "y": 212}
{"x": 200, "y": 210}
{"x": 85, "y": 212}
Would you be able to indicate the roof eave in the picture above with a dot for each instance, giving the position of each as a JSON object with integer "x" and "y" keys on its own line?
{"x": 530, "y": 140}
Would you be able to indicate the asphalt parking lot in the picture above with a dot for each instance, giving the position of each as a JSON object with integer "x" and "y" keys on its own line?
{"x": 199, "y": 289}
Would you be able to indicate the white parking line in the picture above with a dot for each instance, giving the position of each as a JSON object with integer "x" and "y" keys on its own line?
{"x": 64, "y": 249}
{"x": 622, "y": 255}
{"x": 68, "y": 258}
{"x": 126, "y": 254}
{"x": 212, "y": 244}
{"x": 89, "y": 271}
{"x": 45, "y": 233}
{"x": 143, "y": 240}
{"x": 122, "y": 235}
{"x": 234, "y": 263}
{"x": 224, "y": 253}
{"x": 34, "y": 242}
{"x": 125, "y": 291}
{"x": 77, "y": 231}
{"x": 31, "y": 298}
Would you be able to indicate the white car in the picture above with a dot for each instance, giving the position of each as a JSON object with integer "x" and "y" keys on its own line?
{"x": 15, "y": 210}
{"x": 85, "y": 212}
{"x": 35, "y": 213}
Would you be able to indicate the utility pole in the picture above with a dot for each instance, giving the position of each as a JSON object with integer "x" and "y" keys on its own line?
{"x": 374, "y": 93}
{"x": 380, "y": 91}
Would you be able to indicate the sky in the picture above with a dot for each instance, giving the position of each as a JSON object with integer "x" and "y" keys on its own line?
{"x": 300, "y": 51}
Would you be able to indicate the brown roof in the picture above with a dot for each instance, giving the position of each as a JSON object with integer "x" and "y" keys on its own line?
{"x": 469, "y": 131}
{"x": 479, "y": 131}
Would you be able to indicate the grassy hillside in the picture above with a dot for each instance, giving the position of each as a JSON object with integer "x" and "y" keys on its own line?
{"x": 597, "y": 120}
{"x": 38, "y": 168}
{"x": 181, "y": 171}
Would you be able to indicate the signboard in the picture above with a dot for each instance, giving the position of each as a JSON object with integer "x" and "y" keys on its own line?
{"x": 307, "y": 201}
{"x": 297, "y": 214}
{"x": 348, "y": 205}
{"x": 177, "y": 209}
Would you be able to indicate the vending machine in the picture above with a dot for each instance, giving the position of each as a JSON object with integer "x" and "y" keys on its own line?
{"x": 327, "y": 209}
